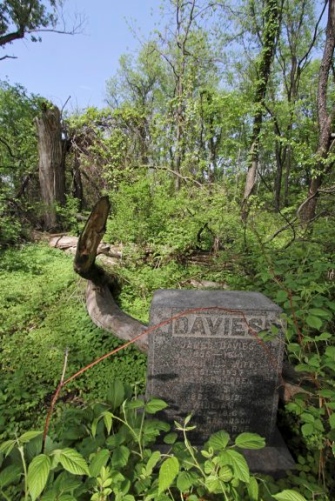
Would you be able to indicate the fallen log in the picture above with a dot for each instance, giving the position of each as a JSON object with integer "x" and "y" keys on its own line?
{"x": 67, "y": 242}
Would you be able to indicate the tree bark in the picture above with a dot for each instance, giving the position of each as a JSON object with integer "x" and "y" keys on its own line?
{"x": 51, "y": 163}
{"x": 77, "y": 185}
{"x": 272, "y": 18}
{"x": 307, "y": 210}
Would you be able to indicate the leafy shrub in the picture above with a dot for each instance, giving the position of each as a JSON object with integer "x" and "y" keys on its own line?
{"x": 107, "y": 451}
{"x": 147, "y": 214}
{"x": 298, "y": 278}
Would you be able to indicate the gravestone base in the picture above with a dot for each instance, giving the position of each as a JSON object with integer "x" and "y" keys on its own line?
{"x": 274, "y": 459}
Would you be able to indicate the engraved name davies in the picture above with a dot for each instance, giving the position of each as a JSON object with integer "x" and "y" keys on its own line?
{"x": 204, "y": 325}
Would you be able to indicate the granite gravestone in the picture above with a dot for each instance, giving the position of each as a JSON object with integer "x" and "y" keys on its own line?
{"x": 212, "y": 362}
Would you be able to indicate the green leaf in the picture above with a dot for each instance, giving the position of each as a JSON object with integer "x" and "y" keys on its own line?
{"x": 50, "y": 495}
{"x": 185, "y": 480}
{"x": 330, "y": 352}
{"x": 108, "y": 419}
{"x": 53, "y": 496}
{"x": 155, "y": 405}
{"x": 332, "y": 420}
{"x": 9, "y": 475}
{"x": 207, "y": 454}
{"x": 253, "y": 489}
{"x": 302, "y": 368}
{"x": 213, "y": 484}
{"x": 314, "y": 322}
{"x": 120, "y": 456}
{"x": 327, "y": 393}
{"x": 38, "y": 472}
{"x": 94, "y": 426}
{"x": 324, "y": 336}
{"x": 116, "y": 394}
{"x": 66, "y": 482}
{"x": 100, "y": 459}
{"x": 152, "y": 462}
{"x": 170, "y": 438}
{"x": 226, "y": 473}
{"x": 73, "y": 462}
{"x": 155, "y": 426}
{"x": 307, "y": 429}
{"x": 218, "y": 440}
{"x": 307, "y": 417}
{"x": 7, "y": 447}
{"x": 135, "y": 404}
{"x": 250, "y": 441}
{"x": 281, "y": 296}
{"x": 34, "y": 447}
{"x": 318, "y": 312}
{"x": 167, "y": 473}
{"x": 117, "y": 439}
{"x": 239, "y": 464}
{"x": 187, "y": 419}
{"x": 288, "y": 495}
{"x": 29, "y": 435}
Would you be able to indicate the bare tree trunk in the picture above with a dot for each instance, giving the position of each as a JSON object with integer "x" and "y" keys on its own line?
{"x": 77, "y": 186}
{"x": 278, "y": 178}
{"x": 272, "y": 18}
{"x": 51, "y": 163}
{"x": 325, "y": 119}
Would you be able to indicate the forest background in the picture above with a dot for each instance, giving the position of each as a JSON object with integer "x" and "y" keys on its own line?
{"x": 216, "y": 150}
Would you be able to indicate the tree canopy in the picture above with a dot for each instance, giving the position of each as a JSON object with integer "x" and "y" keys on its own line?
{"x": 19, "y": 18}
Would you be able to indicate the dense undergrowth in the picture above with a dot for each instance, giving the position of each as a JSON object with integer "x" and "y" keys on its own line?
{"x": 108, "y": 451}
{"x": 43, "y": 315}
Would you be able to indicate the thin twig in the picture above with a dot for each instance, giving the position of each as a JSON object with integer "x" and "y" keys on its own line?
{"x": 54, "y": 399}
{"x": 64, "y": 365}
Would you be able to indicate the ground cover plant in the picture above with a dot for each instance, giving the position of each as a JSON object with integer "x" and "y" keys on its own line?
{"x": 43, "y": 314}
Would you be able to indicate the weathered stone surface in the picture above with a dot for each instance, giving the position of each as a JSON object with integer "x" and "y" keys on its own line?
{"x": 210, "y": 361}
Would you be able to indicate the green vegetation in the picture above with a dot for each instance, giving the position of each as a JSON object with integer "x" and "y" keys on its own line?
{"x": 43, "y": 315}
{"x": 216, "y": 150}
{"x": 105, "y": 452}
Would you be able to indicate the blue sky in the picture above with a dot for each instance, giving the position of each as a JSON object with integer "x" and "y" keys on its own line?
{"x": 78, "y": 66}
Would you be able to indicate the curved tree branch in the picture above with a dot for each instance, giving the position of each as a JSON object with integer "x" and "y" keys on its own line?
{"x": 100, "y": 303}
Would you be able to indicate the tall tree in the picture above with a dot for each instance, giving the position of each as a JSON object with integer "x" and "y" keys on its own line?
{"x": 135, "y": 91}
{"x": 326, "y": 114}
{"x": 268, "y": 37}
{"x": 292, "y": 90}
{"x": 168, "y": 97}
{"x": 190, "y": 62}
